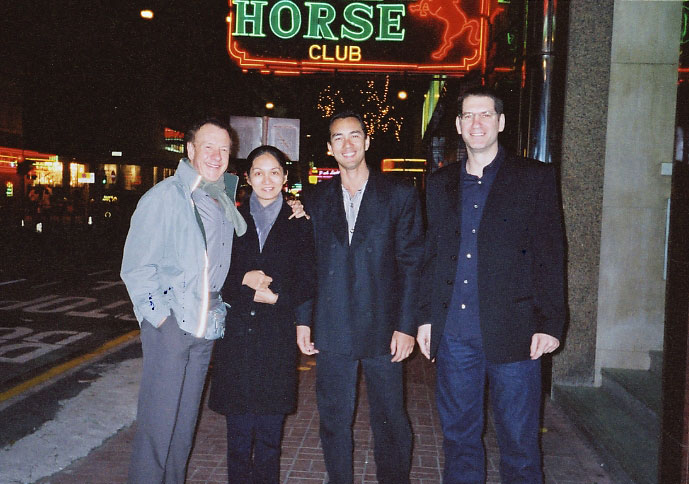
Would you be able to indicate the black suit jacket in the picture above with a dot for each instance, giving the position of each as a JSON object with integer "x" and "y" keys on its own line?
{"x": 255, "y": 365}
{"x": 520, "y": 257}
{"x": 368, "y": 290}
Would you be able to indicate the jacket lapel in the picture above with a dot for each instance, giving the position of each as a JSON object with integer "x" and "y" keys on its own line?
{"x": 367, "y": 215}
{"x": 277, "y": 228}
{"x": 500, "y": 191}
{"x": 453, "y": 192}
{"x": 251, "y": 233}
{"x": 335, "y": 211}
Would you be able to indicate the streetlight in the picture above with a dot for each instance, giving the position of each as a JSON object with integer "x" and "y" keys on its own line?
{"x": 270, "y": 105}
{"x": 147, "y": 14}
{"x": 402, "y": 95}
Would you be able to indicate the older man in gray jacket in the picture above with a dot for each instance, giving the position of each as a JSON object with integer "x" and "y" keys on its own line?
{"x": 176, "y": 258}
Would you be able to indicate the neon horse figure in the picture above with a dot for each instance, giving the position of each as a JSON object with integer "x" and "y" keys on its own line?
{"x": 455, "y": 20}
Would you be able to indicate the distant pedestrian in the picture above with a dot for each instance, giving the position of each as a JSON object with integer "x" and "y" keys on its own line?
{"x": 254, "y": 376}
{"x": 45, "y": 199}
{"x": 34, "y": 197}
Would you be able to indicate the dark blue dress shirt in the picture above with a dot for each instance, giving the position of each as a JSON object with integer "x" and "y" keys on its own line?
{"x": 463, "y": 314}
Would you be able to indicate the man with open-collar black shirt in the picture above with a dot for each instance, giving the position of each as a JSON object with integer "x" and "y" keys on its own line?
{"x": 492, "y": 295}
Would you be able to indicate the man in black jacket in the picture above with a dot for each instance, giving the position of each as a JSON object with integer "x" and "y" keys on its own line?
{"x": 369, "y": 250}
{"x": 492, "y": 295}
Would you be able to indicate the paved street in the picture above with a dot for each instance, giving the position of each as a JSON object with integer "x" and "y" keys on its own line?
{"x": 62, "y": 308}
{"x": 567, "y": 460}
{"x": 45, "y": 321}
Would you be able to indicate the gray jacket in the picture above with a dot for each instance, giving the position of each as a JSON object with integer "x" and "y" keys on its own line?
{"x": 165, "y": 265}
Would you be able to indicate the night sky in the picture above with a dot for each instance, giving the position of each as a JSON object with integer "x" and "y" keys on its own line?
{"x": 96, "y": 77}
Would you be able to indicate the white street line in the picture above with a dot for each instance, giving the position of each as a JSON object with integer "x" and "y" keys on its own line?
{"x": 46, "y": 284}
{"x": 11, "y": 282}
{"x": 99, "y": 272}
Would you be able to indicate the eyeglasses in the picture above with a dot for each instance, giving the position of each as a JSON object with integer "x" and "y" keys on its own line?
{"x": 484, "y": 116}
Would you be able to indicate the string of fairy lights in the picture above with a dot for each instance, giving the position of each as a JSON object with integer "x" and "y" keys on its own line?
{"x": 379, "y": 115}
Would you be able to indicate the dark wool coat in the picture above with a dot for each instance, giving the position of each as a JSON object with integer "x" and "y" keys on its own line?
{"x": 520, "y": 257}
{"x": 254, "y": 367}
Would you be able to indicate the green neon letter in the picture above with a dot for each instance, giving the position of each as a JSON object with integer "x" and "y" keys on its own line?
{"x": 321, "y": 16}
{"x": 294, "y": 16}
{"x": 243, "y": 17}
{"x": 364, "y": 26}
{"x": 390, "y": 22}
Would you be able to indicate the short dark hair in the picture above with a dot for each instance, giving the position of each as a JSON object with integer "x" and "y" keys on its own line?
{"x": 270, "y": 150}
{"x": 347, "y": 114}
{"x": 194, "y": 128}
{"x": 481, "y": 91}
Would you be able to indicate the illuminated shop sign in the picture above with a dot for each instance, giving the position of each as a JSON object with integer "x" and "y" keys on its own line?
{"x": 415, "y": 165}
{"x": 319, "y": 174}
{"x": 86, "y": 177}
{"x": 174, "y": 141}
{"x": 298, "y": 36}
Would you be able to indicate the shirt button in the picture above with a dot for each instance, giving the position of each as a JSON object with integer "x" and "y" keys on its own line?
{"x": 475, "y": 205}
{"x": 473, "y": 231}
{"x": 468, "y": 256}
{"x": 480, "y": 182}
{"x": 252, "y": 313}
{"x": 466, "y": 281}
{"x": 445, "y": 305}
{"x": 453, "y": 257}
{"x": 449, "y": 282}
{"x": 464, "y": 306}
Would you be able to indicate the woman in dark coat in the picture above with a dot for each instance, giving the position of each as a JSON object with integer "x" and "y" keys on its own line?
{"x": 269, "y": 287}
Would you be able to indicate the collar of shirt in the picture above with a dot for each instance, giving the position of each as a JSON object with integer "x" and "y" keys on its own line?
{"x": 351, "y": 206}
{"x": 490, "y": 171}
{"x": 357, "y": 194}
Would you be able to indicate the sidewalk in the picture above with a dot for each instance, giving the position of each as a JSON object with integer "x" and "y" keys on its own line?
{"x": 567, "y": 458}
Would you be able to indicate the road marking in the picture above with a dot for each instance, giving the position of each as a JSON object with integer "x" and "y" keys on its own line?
{"x": 108, "y": 284}
{"x": 99, "y": 272}
{"x": 46, "y": 284}
{"x": 38, "y": 343}
{"x": 57, "y": 370}
{"x": 11, "y": 282}
{"x": 96, "y": 313}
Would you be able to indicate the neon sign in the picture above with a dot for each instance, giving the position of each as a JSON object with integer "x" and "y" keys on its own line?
{"x": 416, "y": 165}
{"x": 303, "y": 36}
{"x": 318, "y": 174}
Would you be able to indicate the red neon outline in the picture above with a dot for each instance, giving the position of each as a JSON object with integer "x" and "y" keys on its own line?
{"x": 246, "y": 61}
{"x": 495, "y": 13}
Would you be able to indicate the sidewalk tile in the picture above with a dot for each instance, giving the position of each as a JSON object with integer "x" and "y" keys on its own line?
{"x": 567, "y": 458}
